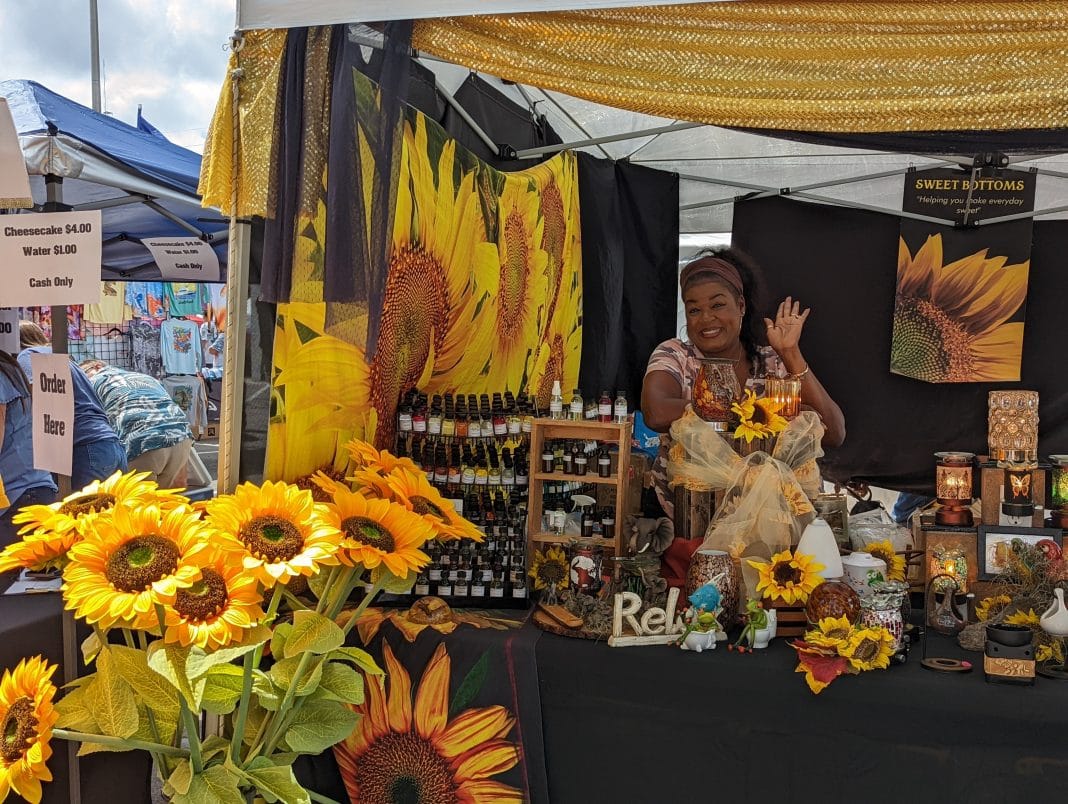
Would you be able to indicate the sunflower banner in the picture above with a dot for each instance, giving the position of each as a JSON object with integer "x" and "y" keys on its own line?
{"x": 959, "y": 304}
{"x": 483, "y": 293}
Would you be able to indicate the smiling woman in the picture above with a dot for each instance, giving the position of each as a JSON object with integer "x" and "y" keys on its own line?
{"x": 721, "y": 298}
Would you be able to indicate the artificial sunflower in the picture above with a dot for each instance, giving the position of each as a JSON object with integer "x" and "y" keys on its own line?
{"x": 788, "y": 577}
{"x": 26, "y": 721}
{"x": 757, "y": 417}
{"x": 895, "y": 564}
{"x": 549, "y": 569}
{"x": 868, "y": 649}
{"x": 281, "y": 529}
{"x": 76, "y": 512}
{"x": 131, "y": 561}
{"x": 1028, "y": 619}
{"x": 830, "y": 632}
{"x": 427, "y": 612}
{"x": 414, "y": 492}
{"x": 38, "y": 551}
{"x": 951, "y": 321}
{"x": 321, "y": 483}
{"x": 216, "y": 610}
{"x": 404, "y": 752}
{"x": 1050, "y": 651}
{"x": 990, "y": 607}
{"x": 378, "y": 532}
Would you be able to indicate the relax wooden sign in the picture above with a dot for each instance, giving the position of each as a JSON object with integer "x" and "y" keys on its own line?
{"x": 655, "y": 626}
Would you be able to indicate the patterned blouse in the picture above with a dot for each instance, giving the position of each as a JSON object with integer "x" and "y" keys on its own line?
{"x": 682, "y": 360}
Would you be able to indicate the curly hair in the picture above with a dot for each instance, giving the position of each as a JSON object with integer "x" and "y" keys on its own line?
{"x": 753, "y": 334}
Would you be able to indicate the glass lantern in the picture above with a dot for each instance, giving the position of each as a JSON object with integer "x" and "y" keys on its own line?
{"x": 1059, "y": 491}
{"x": 953, "y": 489}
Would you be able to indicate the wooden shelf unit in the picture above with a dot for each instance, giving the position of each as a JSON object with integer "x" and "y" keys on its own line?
{"x": 552, "y": 429}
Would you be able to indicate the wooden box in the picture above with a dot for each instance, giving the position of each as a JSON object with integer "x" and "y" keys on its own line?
{"x": 792, "y": 621}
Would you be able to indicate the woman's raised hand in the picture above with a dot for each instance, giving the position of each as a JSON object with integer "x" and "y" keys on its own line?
{"x": 784, "y": 332}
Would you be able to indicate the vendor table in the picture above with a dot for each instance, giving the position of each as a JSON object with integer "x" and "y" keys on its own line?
{"x": 31, "y": 625}
{"x": 656, "y": 725}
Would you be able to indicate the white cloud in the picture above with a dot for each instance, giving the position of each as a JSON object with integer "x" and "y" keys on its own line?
{"x": 168, "y": 55}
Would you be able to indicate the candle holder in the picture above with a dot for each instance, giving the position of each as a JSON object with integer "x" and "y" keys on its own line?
{"x": 787, "y": 392}
{"x": 953, "y": 489}
{"x": 1019, "y": 503}
{"x": 1059, "y": 492}
{"x": 1012, "y": 426}
{"x": 950, "y": 566}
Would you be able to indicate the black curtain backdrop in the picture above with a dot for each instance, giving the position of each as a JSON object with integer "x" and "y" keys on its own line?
{"x": 630, "y": 256}
{"x": 843, "y": 263}
{"x": 505, "y": 122}
{"x": 963, "y": 143}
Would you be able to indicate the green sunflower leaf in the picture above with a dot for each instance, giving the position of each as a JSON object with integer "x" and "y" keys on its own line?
{"x": 179, "y": 780}
{"x": 156, "y": 691}
{"x": 276, "y": 782}
{"x": 170, "y": 662}
{"x": 470, "y": 686}
{"x": 113, "y": 703}
{"x": 312, "y": 633}
{"x": 278, "y": 639}
{"x": 340, "y": 683}
{"x": 318, "y": 725}
{"x": 282, "y": 674}
{"x": 222, "y": 689}
{"x": 391, "y": 583}
{"x": 361, "y": 658}
{"x": 75, "y": 712}
{"x": 216, "y": 785}
{"x": 269, "y": 696}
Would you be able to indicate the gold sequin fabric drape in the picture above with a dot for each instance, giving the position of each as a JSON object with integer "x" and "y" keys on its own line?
{"x": 260, "y": 61}
{"x": 810, "y": 66}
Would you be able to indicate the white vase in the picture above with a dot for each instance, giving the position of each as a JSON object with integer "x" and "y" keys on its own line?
{"x": 1055, "y": 619}
{"x": 699, "y": 641}
{"x": 818, "y": 541}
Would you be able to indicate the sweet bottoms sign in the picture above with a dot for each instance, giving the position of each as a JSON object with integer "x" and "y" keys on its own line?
{"x": 961, "y": 287}
{"x": 483, "y": 293}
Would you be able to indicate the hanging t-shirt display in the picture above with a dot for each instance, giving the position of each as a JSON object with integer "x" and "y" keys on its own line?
{"x": 180, "y": 346}
{"x": 186, "y": 299}
{"x": 188, "y": 393}
{"x": 145, "y": 345}
{"x": 112, "y": 308}
{"x": 146, "y": 299}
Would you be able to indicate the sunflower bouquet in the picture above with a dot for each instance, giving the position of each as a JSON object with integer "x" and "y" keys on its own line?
{"x": 184, "y": 607}
{"x": 757, "y": 417}
{"x": 836, "y": 647}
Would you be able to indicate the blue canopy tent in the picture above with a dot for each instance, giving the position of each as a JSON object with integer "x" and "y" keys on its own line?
{"x": 144, "y": 185}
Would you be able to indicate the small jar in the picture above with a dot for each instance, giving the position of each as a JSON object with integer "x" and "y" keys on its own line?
{"x": 548, "y": 463}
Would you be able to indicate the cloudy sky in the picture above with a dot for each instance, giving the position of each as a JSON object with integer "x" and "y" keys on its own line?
{"x": 168, "y": 55}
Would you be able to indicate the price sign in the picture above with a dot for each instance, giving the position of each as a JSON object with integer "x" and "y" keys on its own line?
{"x": 14, "y": 183}
{"x": 53, "y": 413}
{"x": 9, "y": 331}
{"x": 188, "y": 259}
{"x": 51, "y": 258}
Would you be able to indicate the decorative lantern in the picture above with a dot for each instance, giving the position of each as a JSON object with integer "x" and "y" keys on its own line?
{"x": 1059, "y": 491}
{"x": 950, "y": 566}
{"x": 1019, "y": 504}
{"x": 1012, "y": 426}
{"x": 953, "y": 488}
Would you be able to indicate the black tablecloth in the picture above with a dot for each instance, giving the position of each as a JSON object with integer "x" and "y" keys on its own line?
{"x": 656, "y": 724}
{"x": 31, "y": 625}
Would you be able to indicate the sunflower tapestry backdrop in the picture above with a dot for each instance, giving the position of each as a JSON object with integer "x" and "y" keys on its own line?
{"x": 483, "y": 292}
{"x": 959, "y": 308}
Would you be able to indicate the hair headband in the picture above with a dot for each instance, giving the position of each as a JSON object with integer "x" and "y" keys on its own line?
{"x": 712, "y": 267}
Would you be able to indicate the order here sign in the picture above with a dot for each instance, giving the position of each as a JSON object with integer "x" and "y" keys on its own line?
{"x": 53, "y": 413}
{"x": 51, "y": 258}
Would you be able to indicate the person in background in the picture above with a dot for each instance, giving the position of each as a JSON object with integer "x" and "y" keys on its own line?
{"x": 98, "y": 453}
{"x": 724, "y": 319}
{"x": 154, "y": 430}
{"x": 21, "y": 483}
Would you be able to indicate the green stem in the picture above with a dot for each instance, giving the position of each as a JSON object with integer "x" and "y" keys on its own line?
{"x": 362, "y": 607}
{"x": 195, "y": 759}
{"x": 321, "y": 798}
{"x": 242, "y": 709}
{"x": 119, "y": 742}
{"x": 336, "y": 605}
{"x": 328, "y": 588}
{"x": 295, "y": 602}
